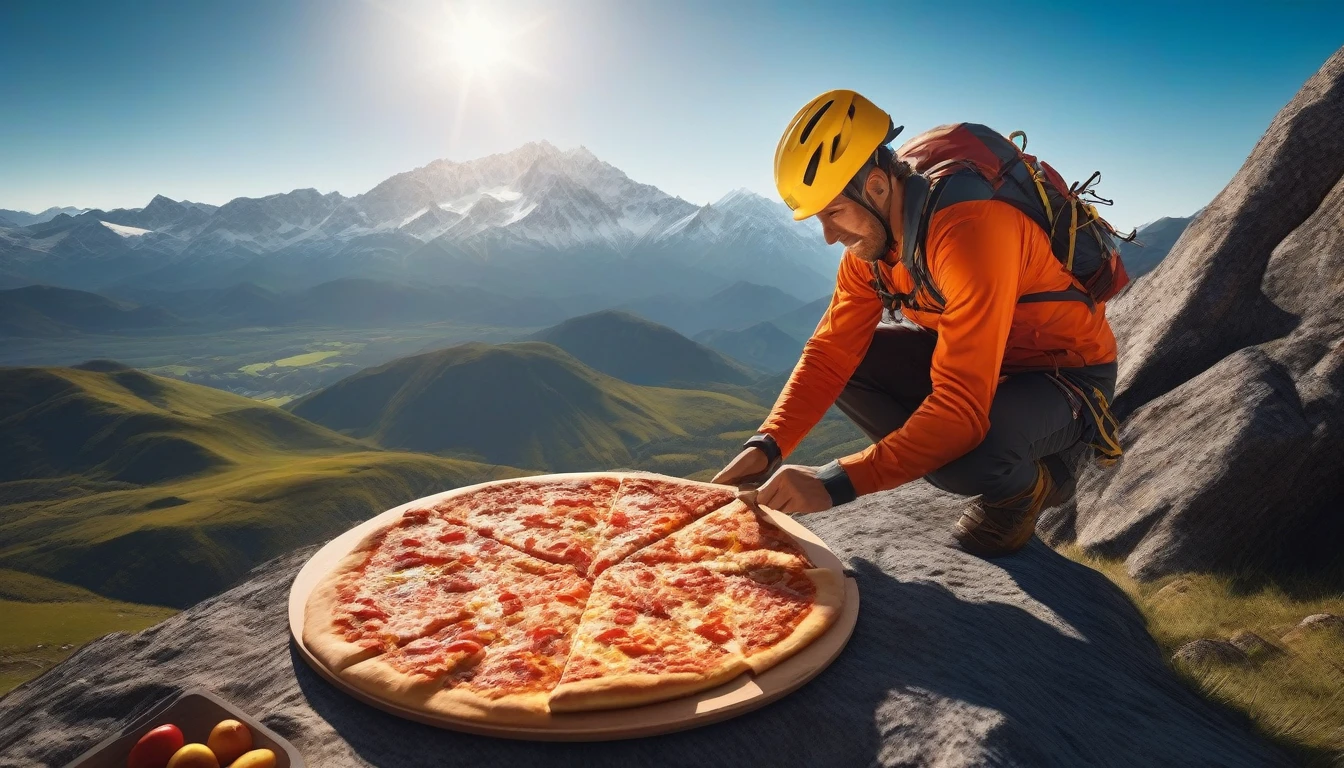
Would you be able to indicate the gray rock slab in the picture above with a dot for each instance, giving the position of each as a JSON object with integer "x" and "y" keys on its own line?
{"x": 1029, "y": 660}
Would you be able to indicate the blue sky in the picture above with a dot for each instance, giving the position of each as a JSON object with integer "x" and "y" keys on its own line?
{"x": 106, "y": 104}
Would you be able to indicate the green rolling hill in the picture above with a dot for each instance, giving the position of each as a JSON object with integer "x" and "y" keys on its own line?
{"x": 639, "y": 351}
{"x": 151, "y": 490}
{"x": 530, "y": 404}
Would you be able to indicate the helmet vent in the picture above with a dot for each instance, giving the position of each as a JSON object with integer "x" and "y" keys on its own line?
{"x": 810, "y": 174}
{"x": 807, "y": 129}
{"x": 835, "y": 146}
{"x": 851, "y": 111}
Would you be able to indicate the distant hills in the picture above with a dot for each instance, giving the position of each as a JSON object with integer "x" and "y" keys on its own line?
{"x": 1155, "y": 241}
{"x": 762, "y": 346}
{"x": 105, "y": 422}
{"x": 44, "y": 311}
{"x": 636, "y": 350}
{"x": 535, "y": 222}
{"x": 526, "y": 404}
{"x": 801, "y": 322}
{"x": 738, "y": 306}
{"x": 152, "y": 490}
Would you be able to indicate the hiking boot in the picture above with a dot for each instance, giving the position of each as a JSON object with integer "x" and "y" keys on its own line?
{"x": 991, "y": 529}
{"x": 1064, "y": 483}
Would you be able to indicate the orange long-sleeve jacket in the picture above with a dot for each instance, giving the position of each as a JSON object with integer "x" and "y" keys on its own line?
{"x": 982, "y": 255}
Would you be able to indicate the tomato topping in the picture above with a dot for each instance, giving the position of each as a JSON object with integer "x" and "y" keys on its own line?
{"x": 585, "y": 517}
{"x": 456, "y": 584}
{"x": 421, "y": 647}
{"x": 625, "y": 616}
{"x": 615, "y": 633}
{"x": 567, "y": 599}
{"x": 637, "y": 648}
{"x": 714, "y": 632}
{"x": 618, "y": 519}
{"x": 463, "y": 646}
{"x": 366, "y": 612}
{"x": 543, "y": 635}
{"x": 452, "y": 536}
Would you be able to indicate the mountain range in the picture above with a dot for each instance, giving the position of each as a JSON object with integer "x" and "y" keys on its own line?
{"x": 536, "y": 222}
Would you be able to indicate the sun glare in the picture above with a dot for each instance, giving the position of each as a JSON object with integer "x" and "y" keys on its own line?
{"x": 479, "y": 45}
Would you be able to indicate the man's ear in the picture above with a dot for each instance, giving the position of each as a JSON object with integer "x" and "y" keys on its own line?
{"x": 878, "y": 186}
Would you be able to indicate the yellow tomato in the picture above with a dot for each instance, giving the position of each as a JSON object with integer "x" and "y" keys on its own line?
{"x": 194, "y": 756}
{"x": 257, "y": 758}
{"x": 229, "y": 739}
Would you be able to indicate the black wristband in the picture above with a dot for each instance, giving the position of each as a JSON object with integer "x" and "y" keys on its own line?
{"x": 836, "y": 481}
{"x": 766, "y": 443}
{"x": 772, "y": 452}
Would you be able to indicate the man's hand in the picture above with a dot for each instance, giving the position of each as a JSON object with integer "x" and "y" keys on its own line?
{"x": 745, "y": 466}
{"x": 794, "y": 490}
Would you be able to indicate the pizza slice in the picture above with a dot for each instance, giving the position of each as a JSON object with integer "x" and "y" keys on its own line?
{"x": 775, "y": 612}
{"x": 401, "y": 583}
{"x": 634, "y": 646}
{"x": 731, "y": 537}
{"x": 554, "y": 520}
{"x": 501, "y": 662}
{"x": 648, "y": 509}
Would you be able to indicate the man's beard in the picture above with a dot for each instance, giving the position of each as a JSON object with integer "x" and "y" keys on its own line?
{"x": 867, "y": 249}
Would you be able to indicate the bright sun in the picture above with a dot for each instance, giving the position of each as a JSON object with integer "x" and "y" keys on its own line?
{"x": 479, "y": 45}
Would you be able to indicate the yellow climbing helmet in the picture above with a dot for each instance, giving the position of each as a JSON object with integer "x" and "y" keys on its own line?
{"x": 826, "y": 144}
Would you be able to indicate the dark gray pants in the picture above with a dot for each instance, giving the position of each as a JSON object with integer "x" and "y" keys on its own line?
{"x": 1031, "y": 416}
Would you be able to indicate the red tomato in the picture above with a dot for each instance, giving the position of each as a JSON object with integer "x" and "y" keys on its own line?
{"x": 155, "y": 748}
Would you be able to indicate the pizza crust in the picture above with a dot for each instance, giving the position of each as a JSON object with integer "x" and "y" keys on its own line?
{"x": 321, "y": 635}
{"x": 381, "y": 679}
{"x": 528, "y": 708}
{"x": 826, "y": 605}
{"x": 631, "y": 690}
{"x": 428, "y": 694}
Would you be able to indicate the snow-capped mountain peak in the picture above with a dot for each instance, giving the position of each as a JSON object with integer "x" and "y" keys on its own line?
{"x": 561, "y": 211}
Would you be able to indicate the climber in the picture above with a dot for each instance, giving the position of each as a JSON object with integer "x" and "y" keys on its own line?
{"x": 997, "y": 371}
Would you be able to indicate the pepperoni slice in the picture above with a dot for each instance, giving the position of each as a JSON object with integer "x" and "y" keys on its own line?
{"x": 610, "y": 635}
{"x": 714, "y": 632}
{"x": 463, "y": 646}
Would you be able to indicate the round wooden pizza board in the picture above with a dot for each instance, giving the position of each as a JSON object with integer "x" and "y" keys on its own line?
{"x": 744, "y": 693}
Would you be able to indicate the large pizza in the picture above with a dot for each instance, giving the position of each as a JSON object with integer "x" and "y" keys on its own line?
{"x": 514, "y": 600}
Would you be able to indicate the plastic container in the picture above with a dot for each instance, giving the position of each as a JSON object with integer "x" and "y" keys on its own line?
{"x": 195, "y": 711}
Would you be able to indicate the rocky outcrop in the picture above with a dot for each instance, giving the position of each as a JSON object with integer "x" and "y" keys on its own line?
{"x": 956, "y": 661}
{"x": 1203, "y": 652}
{"x": 1316, "y": 626}
{"x": 1232, "y": 372}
